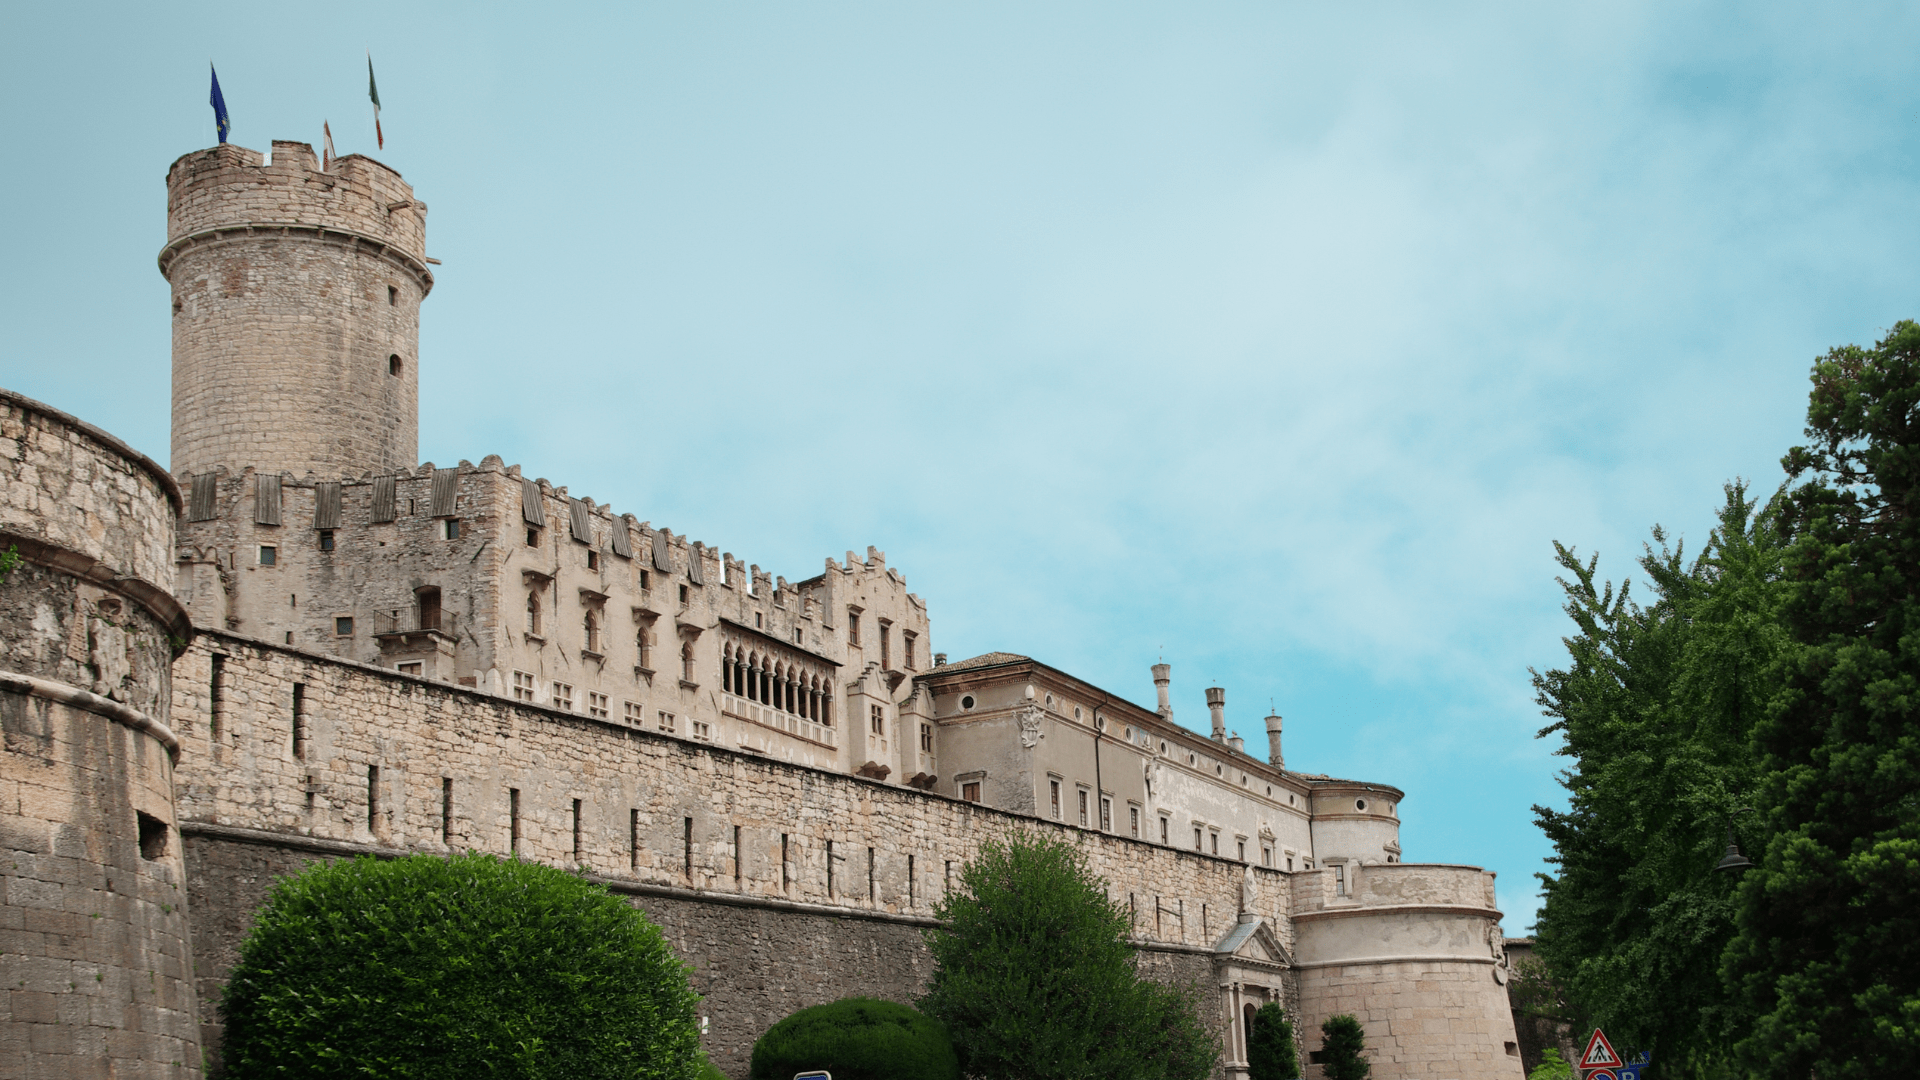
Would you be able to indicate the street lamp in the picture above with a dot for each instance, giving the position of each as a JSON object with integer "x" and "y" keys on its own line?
{"x": 1734, "y": 862}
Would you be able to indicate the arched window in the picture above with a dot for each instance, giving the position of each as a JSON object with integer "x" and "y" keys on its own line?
{"x": 686, "y": 661}
{"x": 726, "y": 668}
{"x": 643, "y": 641}
{"x": 590, "y": 628}
{"x": 393, "y": 364}
{"x": 533, "y": 614}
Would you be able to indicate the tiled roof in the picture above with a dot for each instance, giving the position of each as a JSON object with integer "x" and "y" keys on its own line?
{"x": 992, "y": 659}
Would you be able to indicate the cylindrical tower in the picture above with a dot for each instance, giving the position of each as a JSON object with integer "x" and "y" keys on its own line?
{"x": 296, "y": 312}
{"x": 98, "y": 959}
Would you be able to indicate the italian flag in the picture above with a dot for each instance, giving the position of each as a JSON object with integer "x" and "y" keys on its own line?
{"x": 373, "y": 91}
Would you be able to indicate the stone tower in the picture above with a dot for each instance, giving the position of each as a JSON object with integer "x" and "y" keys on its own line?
{"x": 296, "y": 312}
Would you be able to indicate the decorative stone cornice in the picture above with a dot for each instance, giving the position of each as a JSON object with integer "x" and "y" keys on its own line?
{"x": 254, "y": 230}
{"x": 14, "y": 682}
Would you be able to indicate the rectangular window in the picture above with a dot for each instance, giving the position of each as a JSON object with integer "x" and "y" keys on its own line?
{"x": 533, "y": 537}
{"x": 736, "y": 854}
{"x": 1163, "y": 830}
{"x": 427, "y": 607}
{"x": 593, "y": 559}
{"x": 1106, "y": 814}
{"x": 907, "y": 639}
{"x": 912, "y": 890}
{"x": 576, "y": 831}
{"x": 597, "y": 705}
{"x": 633, "y": 840}
{"x": 853, "y": 626}
{"x": 1243, "y": 851}
{"x": 522, "y": 686}
{"x": 450, "y": 529}
{"x": 409, "y": 667}
{"x": 646, "y": 581}
{"x": 786, "y": 879}
{"x": 1215, "y": 837}
{"x": 373, "y": 798}
{"x": 446, "y": 810}
{"x": 1339, "y": 879}
{"x": 970, "y": 791}
{"x": 563, "y": 696}
{"x": 1053, "y": 791}
{"x": 326, "y": 539}
{"x": 666, "y": 721}
{"x": 1133, "y": 821}
{"x": 269, "y": 554}
{"x": 343, "y": 625}
{"x": 513, "y": 820}
{"x": 1199, "y": 841}
{"x": 879, "y": 718}
{"x": 1083, "y": 808}
{"x": 886, "y": 645}
{"x": 635, "y": 714}
{"x": 683, "y": 596}
{"x": 688, "y": 847}
{"x": 702, "y": 730}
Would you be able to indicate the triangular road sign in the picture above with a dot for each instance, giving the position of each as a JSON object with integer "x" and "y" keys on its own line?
{"x": 1599, "y": 1053}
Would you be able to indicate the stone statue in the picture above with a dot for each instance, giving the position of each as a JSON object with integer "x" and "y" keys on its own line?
{"x": 1248, "y": 897}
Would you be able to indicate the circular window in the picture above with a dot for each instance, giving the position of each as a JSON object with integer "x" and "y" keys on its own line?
{"x": 1049, "y": 699}
{"x": 1129, "y": 734}
{"x": 1191, "y": 760}
{"x": 967, "y": 702}
{"x": 1219, "y": 770}
{"x": 1163, "y": 747}
{"x": 1076, "y": 712}
{"x": 1360, "y": 805}
{"x": 1243, "y": 779}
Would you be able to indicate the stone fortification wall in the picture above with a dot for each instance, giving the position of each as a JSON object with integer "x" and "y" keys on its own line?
{"x": 296, "y": 311}
{"x": 1414, "y": 951}
{"x": 93, "y": 923}
{"x": 298, "y": 753}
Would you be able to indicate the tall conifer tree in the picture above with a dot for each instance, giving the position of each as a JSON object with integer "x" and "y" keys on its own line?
{"x": 1828, "y": 956}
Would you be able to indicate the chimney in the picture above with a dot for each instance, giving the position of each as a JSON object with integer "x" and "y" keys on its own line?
{"x": 1161, "y": 677}
{"x": 939, "y": 659}
{"x": 1273, "y": 742}
{"x": 1217, "y": 705}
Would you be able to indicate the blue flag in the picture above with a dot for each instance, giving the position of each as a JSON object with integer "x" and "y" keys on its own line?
{"x": 220, "y": 122}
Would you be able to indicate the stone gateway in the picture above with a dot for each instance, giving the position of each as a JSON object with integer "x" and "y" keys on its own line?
{"x": 304, "y": 644}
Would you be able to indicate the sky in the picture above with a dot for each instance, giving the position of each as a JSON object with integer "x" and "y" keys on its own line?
{"x": 1278, "y": 340}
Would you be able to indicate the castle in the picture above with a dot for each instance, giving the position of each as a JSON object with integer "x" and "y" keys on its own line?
{"x": 300, "y": 643}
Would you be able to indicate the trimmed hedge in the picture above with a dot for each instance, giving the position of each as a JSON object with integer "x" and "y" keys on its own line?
{"x": 430, "y": 967}
{"x": 857, "y": 1039}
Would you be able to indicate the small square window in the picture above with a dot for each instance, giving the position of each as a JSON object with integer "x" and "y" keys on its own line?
{"x": 970, "y": 791}
{"x": 343, "y": 625}
{"x": 597, "y": 705}
{"x": 533, "y": 537}
{"x": 702, "y": 730}
{"x": 666, "y": 721}
{"x": 409, "y": 667}
{"x": 269, "y": 555}
{"x": 563, "y": 696}
{"x": 635, "y": 714}
{"x": 326, "y": 539}
{"x": 522, "y": 686}
{"x": 593, "y": 559}
{"x": 450, "y": 529}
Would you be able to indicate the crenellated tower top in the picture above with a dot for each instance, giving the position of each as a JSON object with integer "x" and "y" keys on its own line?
{"x": 296, "y": 311}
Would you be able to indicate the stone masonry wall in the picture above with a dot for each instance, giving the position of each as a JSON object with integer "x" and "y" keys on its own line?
{"x": 375, "y": 758}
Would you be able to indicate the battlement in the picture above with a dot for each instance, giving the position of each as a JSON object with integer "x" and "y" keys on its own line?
{"x": 227, "y": 186}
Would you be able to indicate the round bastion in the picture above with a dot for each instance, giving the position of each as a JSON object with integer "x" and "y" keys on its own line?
{"x": 96, "y": 950}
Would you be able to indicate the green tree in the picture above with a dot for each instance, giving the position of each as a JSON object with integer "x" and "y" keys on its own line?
{"x": 1552, "y": 1066}
{"x": 1270, "y": 1051}
{"x": 1343, "y": 1048}
{"x": 431, "y": 967}
{"x": 1034, "y": 978}
{"x": 1657, "y": 705}
{"x": 1828, "y": 955}
{"x": 857, "y": 1039}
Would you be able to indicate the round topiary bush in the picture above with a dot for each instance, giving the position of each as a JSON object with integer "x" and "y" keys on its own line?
{"x": 857, "y": 1039}
{"x": 430, "y": 967}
